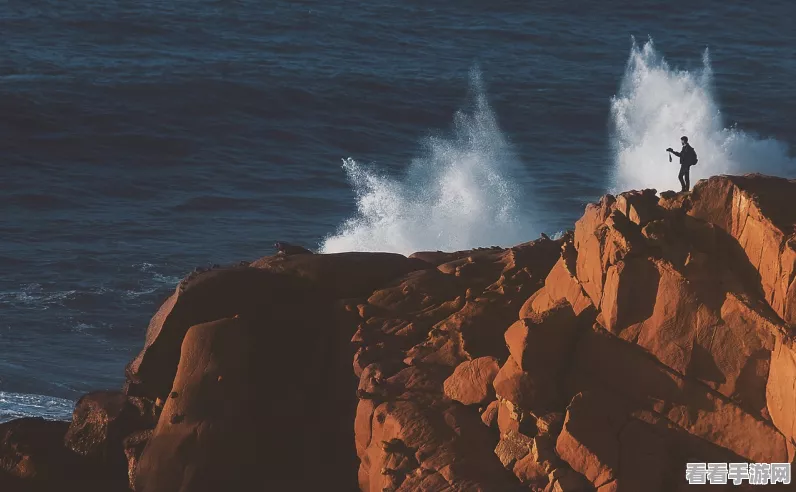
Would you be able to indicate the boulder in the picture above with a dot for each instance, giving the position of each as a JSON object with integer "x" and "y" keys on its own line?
{"x": 513, "y": 447}
{"x": 490, "y": 414}
{"x": 101, "y": 422}
{"x": 210, "y": 295}
{"x": 530, "y": 393}
{"x": 412, "y": 439}
{"x": 205, "y": 439}
{"x": 240, "y": 379}
{"x": 540, "y": 343}
{"x": 589, "y": 441}
{"x": 102, "y": 419}
{"x": 471, "y": 382}
{"x": 32, "y": 449}
{"x": 560, "y": 284}
{"x": 33, "y": 458}
{"x": 640, "y": 207}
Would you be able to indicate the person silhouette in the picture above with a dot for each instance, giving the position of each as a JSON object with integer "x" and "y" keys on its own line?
{"x": 688, "y": 158}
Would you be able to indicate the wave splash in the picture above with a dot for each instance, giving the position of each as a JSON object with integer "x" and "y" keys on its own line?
{"x": 459, "y": 195}
{"x": 656, "y": 105}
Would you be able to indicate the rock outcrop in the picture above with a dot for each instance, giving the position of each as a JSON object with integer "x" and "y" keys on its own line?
{"x": 659, "y": 332}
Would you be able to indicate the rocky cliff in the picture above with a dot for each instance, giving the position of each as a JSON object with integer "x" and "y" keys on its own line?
{"x": 658, "y": 332}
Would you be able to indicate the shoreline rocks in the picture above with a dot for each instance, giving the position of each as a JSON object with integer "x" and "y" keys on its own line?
{"x": 659, "y": 332}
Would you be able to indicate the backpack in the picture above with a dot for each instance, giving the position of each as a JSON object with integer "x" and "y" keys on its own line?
{"x": 693, "y": 158}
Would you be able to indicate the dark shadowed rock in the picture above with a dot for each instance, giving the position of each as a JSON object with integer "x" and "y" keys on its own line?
{"x": 101, "y": 422}
{"x": 288, "y": 249}
{"x": 134, "y": 445}
{"x": 342, "y": 275}
{"x": 208, "y": 447}
{"x": 33, "y": 458}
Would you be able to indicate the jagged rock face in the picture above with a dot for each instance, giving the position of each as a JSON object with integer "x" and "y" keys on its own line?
{"x": 653, "y": 336}
{"x": 458, "y": 316}
{"x": 758, "y": 212}
{"x": 659, "y": 332}
{"x": 33, "y": 458}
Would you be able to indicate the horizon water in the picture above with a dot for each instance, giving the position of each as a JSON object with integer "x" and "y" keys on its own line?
{"x": 89, "y": 264}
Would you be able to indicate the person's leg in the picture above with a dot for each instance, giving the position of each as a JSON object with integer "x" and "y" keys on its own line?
{"x": 687, "y": 178}
{"x": 680, "y": 178}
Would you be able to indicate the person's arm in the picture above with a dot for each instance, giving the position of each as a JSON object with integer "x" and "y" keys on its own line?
{"x": 675, "y": 153}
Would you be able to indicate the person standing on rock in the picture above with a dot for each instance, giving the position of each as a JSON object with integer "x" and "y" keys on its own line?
{"x": 688, "y": 158}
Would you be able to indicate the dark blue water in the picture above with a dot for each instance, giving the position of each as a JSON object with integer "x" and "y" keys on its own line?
{"x": 139, "y": 140}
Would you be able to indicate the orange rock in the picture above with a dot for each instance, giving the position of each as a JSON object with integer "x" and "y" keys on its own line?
{"x": 415, "y": 379}
{"x": 780, "y": 395}
{"x": 674, "y": 202}
{"x": 654, "y": 302}
{"x": 525, "y": 391}
{"x": 630, "y": 296}
{"x": 513, "y": 447}
{"x": 424, "y": 434}
{"x": 471, "y": 382}
{"x": 560, "y": 284}
{"x": 611, "y": 241}
{"x": 550, "y": 423}
{"x": 604, "y": 362}
{"x": 593, "y": 218}
{"x": 567, "y": 480}
{"x": 640, "y": 207}
{"x": 540, "y": 343}
{"x": 510, "y": 418}
{"x": 531, "y": 473}
{"x": 691, "y": 358}
{"x": 363, "y": 424}
{"x": 758, "y": 212}
{"x": 589, "y": 440}
{"x": 490, "y": 414}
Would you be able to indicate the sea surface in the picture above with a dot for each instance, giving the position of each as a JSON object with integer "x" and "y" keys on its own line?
{"x": 139, "y": 140}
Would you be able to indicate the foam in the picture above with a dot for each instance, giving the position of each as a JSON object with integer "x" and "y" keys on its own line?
{"x": 656, "y": 105}
{"x": 460, "y": 194}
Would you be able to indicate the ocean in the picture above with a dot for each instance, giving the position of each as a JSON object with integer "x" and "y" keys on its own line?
{"x": 139, "y": 140}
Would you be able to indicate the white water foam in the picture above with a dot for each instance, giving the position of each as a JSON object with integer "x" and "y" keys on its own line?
{"x": 460, "y": 195}
{"x": 18, "y": 405}
{"x": 656, "y": 105}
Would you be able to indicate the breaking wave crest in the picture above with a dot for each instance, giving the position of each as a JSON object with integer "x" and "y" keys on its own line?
{"x": 656, "y": 105}
{"x": 461, "y": 194}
